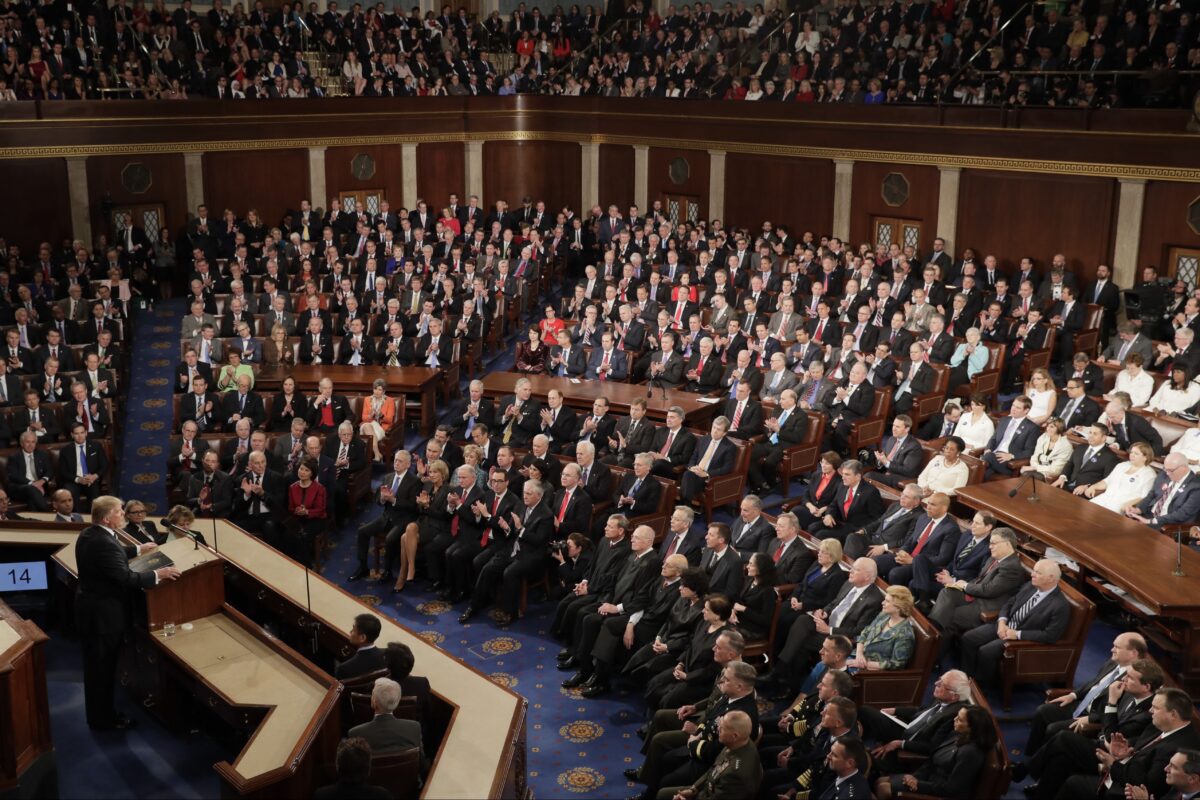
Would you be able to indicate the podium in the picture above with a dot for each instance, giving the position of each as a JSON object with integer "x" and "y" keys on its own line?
{"x": 27, "y": 768}
{"x": 282, "y": 706}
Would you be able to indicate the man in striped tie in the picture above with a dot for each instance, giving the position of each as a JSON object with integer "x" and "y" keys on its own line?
{"x": 1039, "y": 613}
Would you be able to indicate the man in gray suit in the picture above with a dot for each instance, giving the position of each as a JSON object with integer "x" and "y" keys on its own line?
{"x": 1128, "y": 340}
{"x": 385, "y": 732}
{"x": 778, "y": 378}
{"x": 961, "y": 603}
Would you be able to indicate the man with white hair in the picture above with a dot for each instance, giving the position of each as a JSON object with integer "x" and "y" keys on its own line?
{"x": 1176, "y": 496}
{"x": 259, "y": 501}
{"x": 466, "y": 531}
{"x": 386, "y": 732}
{"x": 349, "y": 455}
{"x": 1038, "y": 613}
{"x": 856, "y": 604}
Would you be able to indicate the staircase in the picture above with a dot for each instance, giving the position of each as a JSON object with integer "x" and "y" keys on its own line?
{"x": 324, "y": 74}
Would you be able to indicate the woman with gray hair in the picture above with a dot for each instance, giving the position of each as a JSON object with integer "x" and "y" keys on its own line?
{"x": 378, "y": 417}
{"x": 968, "y": 360}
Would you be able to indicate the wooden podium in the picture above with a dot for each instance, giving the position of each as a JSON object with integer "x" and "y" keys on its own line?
{"x": 282, "y": 706}
{"x": 27, "y": 767}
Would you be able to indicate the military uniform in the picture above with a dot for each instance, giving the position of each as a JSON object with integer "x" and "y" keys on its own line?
{"x": 735, "y": 775}
{"x": 855, "y": 787}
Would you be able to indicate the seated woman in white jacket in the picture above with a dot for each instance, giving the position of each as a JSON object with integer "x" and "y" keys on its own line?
{"x": 1128, "y": 483}
{"x": 1177, "y": 393}
{"x": 1051, "y": 452}
{"x": 975, "y": 427}
{"x": 1189, "y": 446}
{"x": 945, "y": 472}
{"x": 1135, "y": 381}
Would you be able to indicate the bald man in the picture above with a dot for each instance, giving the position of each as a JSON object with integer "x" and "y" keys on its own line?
{"x": 1038, "y": 613}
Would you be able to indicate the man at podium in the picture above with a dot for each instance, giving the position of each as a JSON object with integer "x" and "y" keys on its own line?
{"x": 102, "y": 610}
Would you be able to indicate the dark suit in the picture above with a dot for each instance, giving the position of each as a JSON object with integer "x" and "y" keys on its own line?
{"x": 723, "y": 460}
{"x": 844, "y": 412}
{"x": 922, "y": 382}
{"x": 766, "y": 455}
{"x": 95, "y": 462}
{"x": 803, "y": 641}
{"x": 397, "y": 514}
{"x": 638, "y": 437}
{"x": 1184, "y": 504}
{"x": 905, "y": 462}
{"x": 525, "y": 425}
{"x": 220, "y": 494}
{"x": 388, "y": 733}
{"x": 936, "y": 553}
{"x": 1078, "y": 414}
{"x": 752, "y": 538}
{"x": 618, "y": 364}
{"x": 1145, "y": 767}
{"x": 1047, "y": 622}
{"x": 750, "y": 422}
{"x": 366, "y": 660}
{"x": 252, "y": 408}
{"x": 794, "y": 562}
{"x": 631, "y": 592}
{"x": 645, "y": 499}
{"x": 690, "y": 547}
{"x": 19, "y": 485}
{"x": 866, "y": 505}
{"x": 1079, "y": 472}
{"x": 1021, "y": 445}
{"x": 102, "y": 613}
{"x": 1135, "y": 428}
{"x": 509, "y": 569}
{"x": 891, "y": 528}
{"x": 683, "y": 445}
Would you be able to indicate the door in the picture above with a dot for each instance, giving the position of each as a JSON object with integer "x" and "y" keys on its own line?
{"x": 147, "y": 216}
{"x": 1183, "y": 263}
{"x": 681, "y": 208}
{"x": 893, "y": 230}
{"x": 370, "y": 198}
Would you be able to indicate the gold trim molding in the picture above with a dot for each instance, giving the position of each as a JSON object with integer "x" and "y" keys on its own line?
{"x": 1080, "y": 168}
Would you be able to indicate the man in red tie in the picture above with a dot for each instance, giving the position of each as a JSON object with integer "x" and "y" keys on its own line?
{"x": 932, "y": 541}
{"x": 855, "y": 505}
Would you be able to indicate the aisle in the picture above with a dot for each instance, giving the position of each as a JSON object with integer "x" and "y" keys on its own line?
{"x": 146, "y": 426}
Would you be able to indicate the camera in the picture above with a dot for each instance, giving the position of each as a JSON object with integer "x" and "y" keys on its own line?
{"x": 559, "y": 547}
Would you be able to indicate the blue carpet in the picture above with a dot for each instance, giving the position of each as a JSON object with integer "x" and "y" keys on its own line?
{"x": 575, "y": 747}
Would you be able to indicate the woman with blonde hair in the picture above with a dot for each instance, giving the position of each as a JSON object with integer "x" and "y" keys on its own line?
{"x": 1042, "y": 393}
{"x": 277, "y": 350}
{"x": 888, "y": 641}
{"x": 1127, "y": 484}
{"x": 1051, "y": 452}
{"x": 432, "y": 523}
{"x": 378, "y": 417}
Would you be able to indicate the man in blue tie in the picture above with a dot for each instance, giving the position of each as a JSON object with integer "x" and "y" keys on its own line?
{"x": 786, "y": 428}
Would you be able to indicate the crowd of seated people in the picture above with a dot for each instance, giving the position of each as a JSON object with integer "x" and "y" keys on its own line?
{"x": 511, "y": 488}
{"x": 870, "y": 53}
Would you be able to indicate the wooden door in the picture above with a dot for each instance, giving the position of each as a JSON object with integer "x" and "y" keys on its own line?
{"x": 681, "y": 207}
{"x": 370, "y": 198}
{"x": 893, "y": 230}
{"x": 150, "y": 217}
{"x": 1183, "y": 263}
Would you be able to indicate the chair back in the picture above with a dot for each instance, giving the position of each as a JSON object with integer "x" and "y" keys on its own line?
{"x": 399, "y": 772}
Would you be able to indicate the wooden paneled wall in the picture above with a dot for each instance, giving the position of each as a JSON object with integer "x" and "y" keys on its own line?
{"x": 616, "y": 176}
{"x": 35, "y": 205}
{"x": 340, "y": 177}
{"x": 167, "y": 186}
{"x": 661, "y": 184}
{"x": 272, "y": 181}
{"x": 867, "y": 201}
{"x": 797, "y": 192}
{"x": 549, "y": 171}
{"x": 1013, "y": 215}
{"x": 440, "y": 171}
{"x": 1164, "y": 220}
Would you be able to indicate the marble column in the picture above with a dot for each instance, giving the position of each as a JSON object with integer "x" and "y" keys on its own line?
{"x": 316, "y": 178}
{"x": 947, "y": 213}
{"x": 590, "y": 183}
{"x": 77, "y": 185}
{"x": 843, "y": 184}
{"x": 193, "y": 178}
{"x": 474, "y": 168}
{"x": 716, "y": 184}
{"x": 641, "y": 176}
{"x": 408, "y": 175}
{"x": 1130, "y": 202}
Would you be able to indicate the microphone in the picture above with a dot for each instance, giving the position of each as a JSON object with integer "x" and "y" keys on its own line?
{"x": 1029, "y": 476}
{"x": 195, "y": 537}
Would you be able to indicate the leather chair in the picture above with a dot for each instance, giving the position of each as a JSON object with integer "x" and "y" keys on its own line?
{"x": 987, "y": 381}
{"x": 870, "y": 429}
{"x": 801, "y": 459}
{"x": 399, "y": 772}
{"x": 667, "y": 501}
{"x": 1034, "y": 662}
{"x": 888, "y": 688}
{"x": 996, "y": 775}
{"x": 931, "y": 402}
{"x": 762, "y": 648}
{"x": 723, "y": 490}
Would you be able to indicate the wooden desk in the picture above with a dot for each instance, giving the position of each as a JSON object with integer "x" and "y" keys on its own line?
{"x": 360, "y": 380}
{"x": 487, "y": 729}
{"x": 239, "y": 671}
{"x": 697, "y": 414}
{"x": 1108, "y": 548}
{"x": 26, "y": 749}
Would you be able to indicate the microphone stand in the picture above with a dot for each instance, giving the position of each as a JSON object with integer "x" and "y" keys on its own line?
{"x": 1029, "y": 476}
{"x": 1179, "y": 573}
